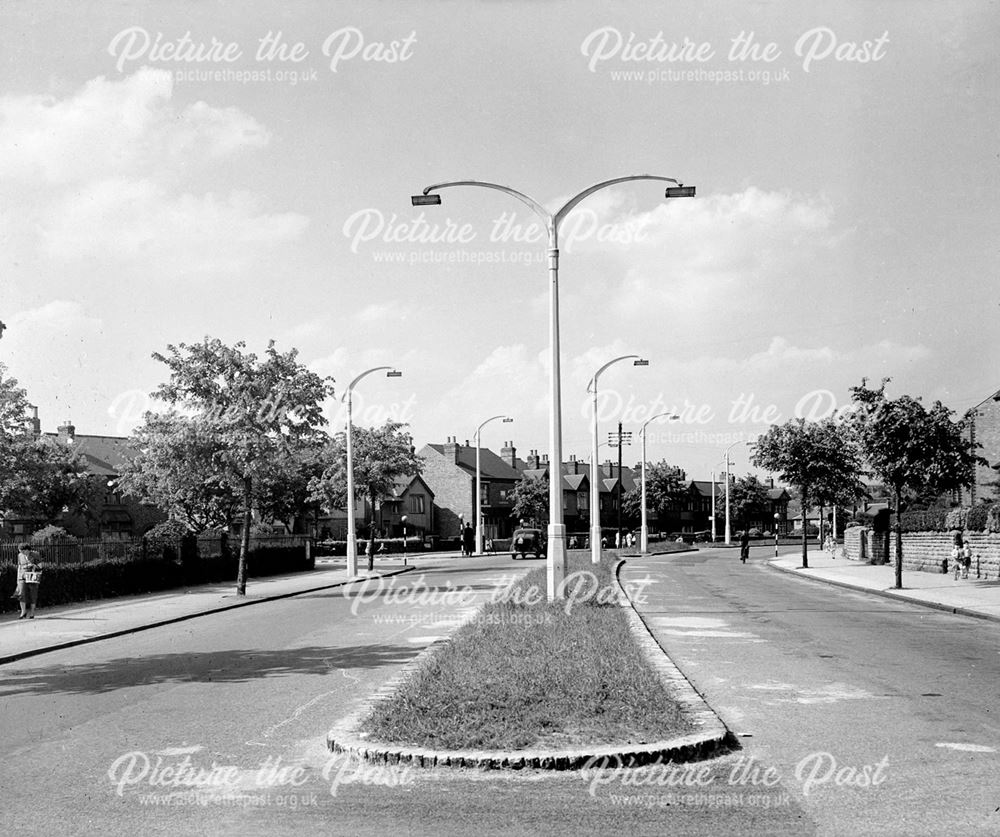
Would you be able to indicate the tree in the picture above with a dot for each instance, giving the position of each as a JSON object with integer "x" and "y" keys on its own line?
{"x": 746, "y": 496}
{"x": 664, "y": 486}
{"x": 284, "y": 493}
{"x": 531, "y": 499}
{"x": 910, "y": 448}
{"x": 380, "y": 456}
{"x": 180, "y": 470}
{"x": 259, "y": 410}
{"x": 38, "y": 477}
{"x": 818, "y": 458}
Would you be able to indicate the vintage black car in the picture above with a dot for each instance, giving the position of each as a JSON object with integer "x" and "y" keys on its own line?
{"x": 526, "y": 542}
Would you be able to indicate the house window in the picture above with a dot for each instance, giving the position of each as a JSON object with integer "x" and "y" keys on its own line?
{"x": 484, "y": 494}
{"x": 582, "y": 501}
{"x": 416, "y": 503}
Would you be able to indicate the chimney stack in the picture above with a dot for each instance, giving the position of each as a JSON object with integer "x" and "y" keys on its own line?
{"x": 34, "y": 423}
{"x": 532, "y": 460}
{"x": 508, "y": 453}
{"x": 451, "y": 450}
{"x": 67, "y": 432}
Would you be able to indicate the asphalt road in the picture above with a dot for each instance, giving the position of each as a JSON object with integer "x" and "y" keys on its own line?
{"x": 825, "y": 685}
{"x": 217, "y": 726}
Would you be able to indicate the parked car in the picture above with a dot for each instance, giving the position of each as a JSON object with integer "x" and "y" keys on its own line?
{"x": 526, "y": 542}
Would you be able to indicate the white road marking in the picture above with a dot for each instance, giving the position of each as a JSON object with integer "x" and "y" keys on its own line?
{"x": 967, "y": 748}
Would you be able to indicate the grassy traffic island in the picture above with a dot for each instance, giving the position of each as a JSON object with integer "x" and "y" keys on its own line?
{"x": 531, "y": 674}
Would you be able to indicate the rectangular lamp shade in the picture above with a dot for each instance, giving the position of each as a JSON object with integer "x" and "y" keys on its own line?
{"x": 680, "y": 192}
{"x": 426, "y": 200}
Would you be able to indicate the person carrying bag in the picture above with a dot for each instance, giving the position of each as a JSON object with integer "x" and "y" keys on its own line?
{"x": 29, "y": 577}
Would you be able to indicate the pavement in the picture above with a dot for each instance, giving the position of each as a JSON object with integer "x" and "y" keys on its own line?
{"x": 976, "y": 597}
{"x": 54, "y": 628}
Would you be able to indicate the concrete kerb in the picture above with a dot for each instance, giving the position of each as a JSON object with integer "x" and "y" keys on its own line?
{"x": 174, "y": 619}
{"x": 713, "y": 739}
{"x": 886, "y": 594}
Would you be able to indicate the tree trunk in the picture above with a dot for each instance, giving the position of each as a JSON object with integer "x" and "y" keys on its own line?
{"x": 899, "y": 544}
{"x": 241, "y": 573}
{"x": 371, "y": 534}
{"x": 805, "y": 528}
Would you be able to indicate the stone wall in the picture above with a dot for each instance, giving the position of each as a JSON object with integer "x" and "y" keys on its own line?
{"x": 925, "y": 551}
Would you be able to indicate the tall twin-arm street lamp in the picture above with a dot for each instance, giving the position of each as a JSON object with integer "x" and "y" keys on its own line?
{"x": 556, "y": 561}
{"x": 352, "y": 545}
{"x": 595, "y": 496}
{"x": 644, "y": 532}
{"x": 733, "y": 445}
{"x": 479, "y": 486}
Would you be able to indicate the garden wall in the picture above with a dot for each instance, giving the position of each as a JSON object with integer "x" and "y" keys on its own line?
{"x": 925, "y": 551}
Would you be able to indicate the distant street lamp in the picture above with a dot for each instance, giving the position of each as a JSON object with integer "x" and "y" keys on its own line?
{"x": 595, "y": 497}
{"x": 479, "y": 486}
{"x": 556, "y": 559}
{"x": 644, "y": 531}
{"x": 352, "y": 546}
{"x": 777, "y": 517}
{"x": 403, "y": 521}
{"x": 733, "y": 445}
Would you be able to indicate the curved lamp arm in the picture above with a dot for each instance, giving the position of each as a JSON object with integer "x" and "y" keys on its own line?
{"x": 597, "y": 374}
{"x": 570, "y": 205}
{"x": 350, "y": 386}
{"x": 534, "y": 205}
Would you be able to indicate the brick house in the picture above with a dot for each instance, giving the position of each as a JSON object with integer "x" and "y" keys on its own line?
{"x": 984, "y": 429}
{"x": 449, "y": 472}
{"x": 114, "y": 515}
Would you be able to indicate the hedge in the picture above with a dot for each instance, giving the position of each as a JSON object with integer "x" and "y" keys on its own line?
{"x": 981, "y": 518}
{"x": 105, "y": 579}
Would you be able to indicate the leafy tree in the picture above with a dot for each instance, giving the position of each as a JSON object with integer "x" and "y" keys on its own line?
{"x": 818, "y": 458}
{"x": 179, "y": 469}
{"x": 13, "y": 406}
{"x": 665, "y": 485}
{"x": 380, "y": 456}
{"x": 910, "y": 448}
{"x": 531, "y": 499}
{"x": 746, "y": 496}
{"x": 259, "y": 409}
{"x": 284, "y": 493}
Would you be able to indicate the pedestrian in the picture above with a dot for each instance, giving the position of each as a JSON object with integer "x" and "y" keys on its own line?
{"x": 618, "y": 540}
{"x": 966, "y": 559}
{"x": 29, "y": 576}
{"x": 468, "y": 539}
{"x": 956, "y": 554}
{"x": 744, "y": 545}
{"x": 489, "y": 545}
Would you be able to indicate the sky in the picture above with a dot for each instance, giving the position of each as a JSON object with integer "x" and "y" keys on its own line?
{"x": 171, "y": 171}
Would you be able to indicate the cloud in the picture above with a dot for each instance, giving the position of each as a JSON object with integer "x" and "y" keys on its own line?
{"x": 115, "y": 128}
{"x": 127, "y": 219}
{"x": 97, "y": 179}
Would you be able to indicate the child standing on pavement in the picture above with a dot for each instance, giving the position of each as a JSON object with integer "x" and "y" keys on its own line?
{"x": 29, "y": 576}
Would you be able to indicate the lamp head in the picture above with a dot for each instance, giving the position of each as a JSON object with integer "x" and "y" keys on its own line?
{"x": 679, "y": 191}
{"x": 393, "y": 373}
{"x": 640, "y": 362}
{"x": 426, "y": 200}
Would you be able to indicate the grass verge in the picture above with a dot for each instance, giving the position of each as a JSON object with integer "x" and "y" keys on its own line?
{"x": 528, "y": 673}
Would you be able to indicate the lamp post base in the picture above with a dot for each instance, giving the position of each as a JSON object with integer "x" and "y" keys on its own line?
{"x": 556, "y": 561}
{"x": 644, "y": 540}
{"x": 352, "y": 557}
{"x": 595, "y": 544}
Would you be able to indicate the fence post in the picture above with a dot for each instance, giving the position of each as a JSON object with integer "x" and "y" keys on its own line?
{"x": 79, "y": 548}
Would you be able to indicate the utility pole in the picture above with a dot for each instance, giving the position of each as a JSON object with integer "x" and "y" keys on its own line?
{"x": 619, "y": 485}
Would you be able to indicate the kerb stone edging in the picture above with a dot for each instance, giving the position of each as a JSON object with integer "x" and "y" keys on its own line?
{"x": 713, "y": 739}
{"x": 887, "y": 594}
{"x": 134, "y": 629}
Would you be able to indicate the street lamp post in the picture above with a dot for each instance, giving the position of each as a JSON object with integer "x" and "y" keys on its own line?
{"x": 352, "y": 545}
{"x": 728, "y": 534}
{"x": 713, "y": 508}
{"x": 595, "y": 495}
{"x": 644, "y": 531}
{"x": 403, "y": 521}
{"x": 556, "y": 559}
{"x": 777, "y": 517}
{"x": 479, "y": 488}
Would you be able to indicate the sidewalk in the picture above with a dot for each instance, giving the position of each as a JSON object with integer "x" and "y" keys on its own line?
{"x": 54, "y": 628}
{"x": 969, "y": 597}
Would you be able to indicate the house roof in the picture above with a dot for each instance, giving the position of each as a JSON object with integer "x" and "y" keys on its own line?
{"x": 104, "y": 455}
{"x": 491, "y": 466}
{"x": 403, "y": 484}
{"x": 574, "y": 481}
{"x": 535, "y": 473}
